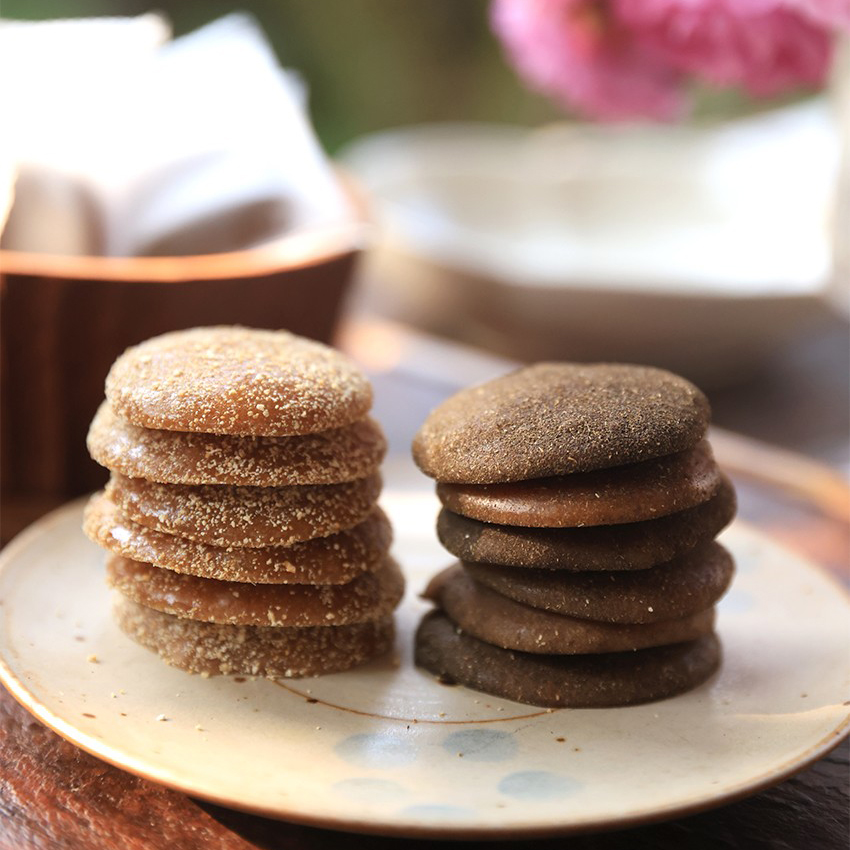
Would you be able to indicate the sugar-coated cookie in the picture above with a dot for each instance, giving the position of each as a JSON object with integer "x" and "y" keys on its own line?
{"x": 630, "y": 546}
{"x": 370, "y": 596}
{"x": 241, "y": 515}
{"x": 563, "y": 681}
{"x": 325, "y": 560}
{"x": 273, "y": 652}
{"x": 174, "y": 457}
{"x": 233, "y": 380}
{"x": 227, "y": 515}
{"x": 560, "y": 418}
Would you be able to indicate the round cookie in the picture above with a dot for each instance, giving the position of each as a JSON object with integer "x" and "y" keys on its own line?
{"x": 681, "y": 587}
{"x": 225, "y": 515}
{"x": 233, "y": 380}
{"x": 557, "y": 419}
{"x": 627, "y": 494}
{"x": 275, "y": 653}
{"x": 501, "y": 621}
{"x": 174, "y": 457}
{"x": 563, "y": 681}
{"x": 369, "y": 597}
{"x": 326, "y": 560}
{"x": 632, "y": 546}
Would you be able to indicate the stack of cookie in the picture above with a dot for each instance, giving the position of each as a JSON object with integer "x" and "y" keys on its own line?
{"x": 583, "y": 502}
{"x": 241, "y": 515}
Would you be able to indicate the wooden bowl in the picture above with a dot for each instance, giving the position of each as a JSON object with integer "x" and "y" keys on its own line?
{"x": 65, "y": 319}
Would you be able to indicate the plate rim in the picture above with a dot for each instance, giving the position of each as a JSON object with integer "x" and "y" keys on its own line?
{"x": 458, "y": 831}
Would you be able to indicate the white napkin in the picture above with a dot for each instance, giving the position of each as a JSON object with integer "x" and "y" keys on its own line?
{"x": 126, "y": 143}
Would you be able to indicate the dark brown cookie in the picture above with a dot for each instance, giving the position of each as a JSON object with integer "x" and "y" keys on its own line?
{"x": 631, "y": 546}
{"x": 225, "y": 515}
{"x": 370, "y": 596}
{"x": 557, "y": 419}
{"x": 232, "y": 380}
{"x": 563, "y": 681}
{"x": 681, "y": 587}
{"x": 627, "y": 494}
{"x": 273, "y": 652}
{"x": 501, "y": 621}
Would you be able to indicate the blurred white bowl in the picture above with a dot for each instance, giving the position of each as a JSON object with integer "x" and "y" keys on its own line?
{"x": 699, "y": 249}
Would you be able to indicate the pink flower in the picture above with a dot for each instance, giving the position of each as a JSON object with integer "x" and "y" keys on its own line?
{"x": 828, "y": 13}
{"x": 620, "y": 59}
{"x": 576, "y": 52}
{"x": 764, "y": 46}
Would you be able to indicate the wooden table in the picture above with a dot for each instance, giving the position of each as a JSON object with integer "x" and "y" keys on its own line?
{"x": 54, "y": 796}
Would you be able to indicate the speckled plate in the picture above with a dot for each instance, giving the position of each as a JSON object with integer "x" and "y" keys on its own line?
{"x": 386, "y": 749}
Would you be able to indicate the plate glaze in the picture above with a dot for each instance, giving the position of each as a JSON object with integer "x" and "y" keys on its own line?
{"x": 386, "y": 749}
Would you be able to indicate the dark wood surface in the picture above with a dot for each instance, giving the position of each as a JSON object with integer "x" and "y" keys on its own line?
{"x": 56, "y": 797}
{"x": 53, "y": 795}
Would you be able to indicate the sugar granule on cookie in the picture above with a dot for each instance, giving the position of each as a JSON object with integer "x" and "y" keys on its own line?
{"x": 337, "y": 559}
{"x": 238, "y": 381}
{"x": 559, "y": 418}
{"x": 226, "y": 515}
{"x": 181, "y": 457}
{"x": 241, "y": 514}
{"x": 583, "y": 500}
{"x": 209, "y": 649}
{"x": 371, "y": 596}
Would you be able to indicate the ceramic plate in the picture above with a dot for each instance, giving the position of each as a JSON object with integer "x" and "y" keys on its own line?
{"x": 386, "y": 749}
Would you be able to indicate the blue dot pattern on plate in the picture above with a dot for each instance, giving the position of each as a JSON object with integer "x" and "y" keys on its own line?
{"x": 366, "y": 789}
{"x": 534, "y": 785}
{"x": 438, "y": 812}
{"x": 376, "y": 750}
{"x": 481, "y": 745}
{"x": 737, "y": 602}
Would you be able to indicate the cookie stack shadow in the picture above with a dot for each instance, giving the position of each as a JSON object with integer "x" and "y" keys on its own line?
{"x": 582, "y": 503}
{"x": 241, "y": 515}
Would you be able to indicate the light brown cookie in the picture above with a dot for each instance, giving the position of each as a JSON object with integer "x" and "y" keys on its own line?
{"x": 560, "y": 418}
{"x": 627, "y": 494}
{"x": 273, "y": 652}
{"x": 175, "y": 457}
{"x": 326, "y": 560}
{"x": 629, "y": 546}
{"x": 563, "y": 681}
{"x": 370, "y": 596}
{"x": 233, "y": 380}
{"x": 496, "y": 619}
{"x": 681, "y": 587}
{"x": 224, "y": 515}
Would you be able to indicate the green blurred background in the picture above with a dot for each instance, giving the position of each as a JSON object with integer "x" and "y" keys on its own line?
{"x": 374, "y": 64}
{"x": 370, "y": 64}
